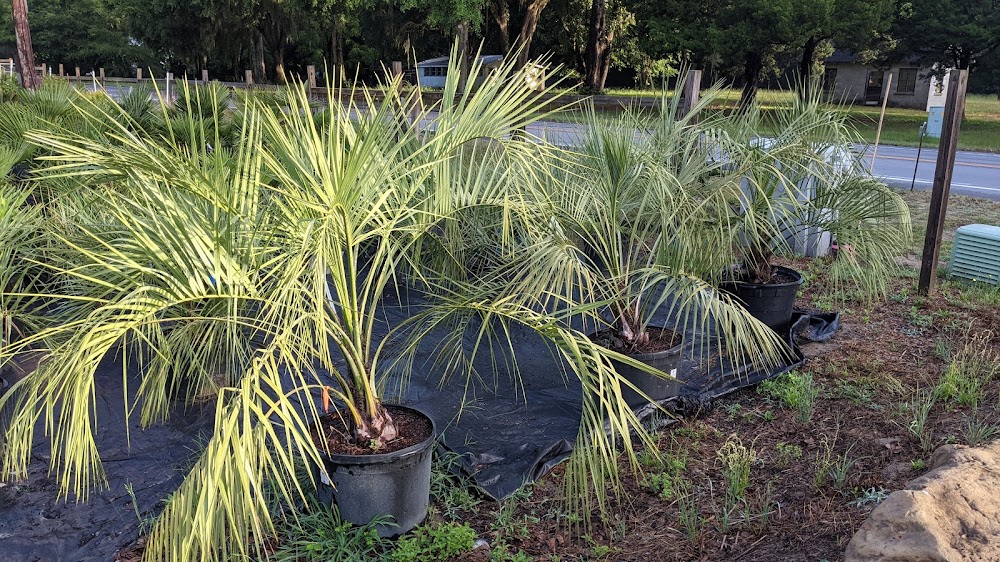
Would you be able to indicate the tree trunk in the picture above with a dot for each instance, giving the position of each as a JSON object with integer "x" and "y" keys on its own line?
{"x": 596, "y": 46}
{"x": 502, "y": 17}
{"x": 337, "y": 48}
{"x": 375, "y": 428}
{"x": 259, "y": 66}
{"x": 531, "y": 16}
{"x": 605, "y": 66}
{"x": 279, "y": 63}
{"x": 25, "y": 56}
{"x": 752, "y": 66}
{"x": 463, "y": 55}
{"x": 805, "y": 66}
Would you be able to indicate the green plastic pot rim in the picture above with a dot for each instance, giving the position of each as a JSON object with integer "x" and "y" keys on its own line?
{"x": 386, "y": 458}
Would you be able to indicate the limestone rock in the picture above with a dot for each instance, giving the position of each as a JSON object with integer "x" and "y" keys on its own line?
{"x": 949, "y": 514}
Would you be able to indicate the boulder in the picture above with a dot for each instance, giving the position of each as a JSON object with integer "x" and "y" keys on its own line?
{"x": 948, "y": 514}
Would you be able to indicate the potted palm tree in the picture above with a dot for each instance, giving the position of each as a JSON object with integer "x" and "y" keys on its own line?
{"x": 276, "y": 255}
{"x": 626, "y": 202}
{"x": 801, "y": 178}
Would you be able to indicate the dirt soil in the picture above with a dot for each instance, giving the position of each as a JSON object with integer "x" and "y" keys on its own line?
{"x": 660, "y": 339}
{"x": 813, "y": 482}
{"x": 412, "y": 426}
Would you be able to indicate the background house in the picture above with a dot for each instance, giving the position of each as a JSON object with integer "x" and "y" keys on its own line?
{"x": 847, "y": 79}
{"x": 432, "y": 73}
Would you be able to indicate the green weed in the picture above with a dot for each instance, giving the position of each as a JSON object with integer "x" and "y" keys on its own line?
{"x": 787, "y": 453}
{"x": 942, "y": 350}
{"x": 901, "y": 296}
{"x": 435, "y": 542}
{"x": 840, "y": 471}
{"x": 736, "y": 459}
{"x": 319, "y": 535}
{"x": 449, "y": 490}
{"x": 858, "y": 392}
{"x": 761, "y": 508}
{"x": 919, "y": 407}
{"x": 823, "y": 464}
{"x": 977, "y": 431}
{"x": 687, "y": 506}
{"x": 793, "y": 390}
{"x": 972, "y": 368}
{"x": 920, "y": 319}
{"x": 872, "y": 495}
{"x": 146, "y": 522}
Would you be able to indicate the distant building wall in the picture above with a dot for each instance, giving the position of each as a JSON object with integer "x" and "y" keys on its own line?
{"x": 859, "y": 84}
{"x": 432, "y": 76}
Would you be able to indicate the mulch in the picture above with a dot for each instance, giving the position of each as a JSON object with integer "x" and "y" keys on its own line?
{"x": 883, "y": 354}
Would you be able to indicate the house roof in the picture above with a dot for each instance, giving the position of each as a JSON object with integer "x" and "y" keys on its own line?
{"x": 443, "y": 61}
{"x": 843, "y": 56}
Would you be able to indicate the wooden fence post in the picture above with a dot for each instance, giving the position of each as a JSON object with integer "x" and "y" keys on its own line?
{"x": 954, "y": 109}
{"x": 78, "y": 75}
{"x": 61, "y": 72}
{"x": 138, "y": 74}
{"x": 100, "y": 72}
{"x": 311, "y": 76}
{"x": 249, "y": 77}
{"x": 204, "y": 76}
{"x": 692, "y": 91}
{"x": 397, "y": 68}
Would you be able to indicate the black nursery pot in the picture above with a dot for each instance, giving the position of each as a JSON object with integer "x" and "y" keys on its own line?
{"x": 396, "y": 484}
{"x": 656, "y": 388}
{"x": 770, "y": 303}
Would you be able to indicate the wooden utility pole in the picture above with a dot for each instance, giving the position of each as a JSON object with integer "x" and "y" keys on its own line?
{"x": 25, "y": 56}
{"x": 954, "y": 108}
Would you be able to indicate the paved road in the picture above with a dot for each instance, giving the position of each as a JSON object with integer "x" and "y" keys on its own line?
{"x": 976, "y": 174}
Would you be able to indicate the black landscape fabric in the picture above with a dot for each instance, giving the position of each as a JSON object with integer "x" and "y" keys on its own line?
{"x": 506, "y": 434}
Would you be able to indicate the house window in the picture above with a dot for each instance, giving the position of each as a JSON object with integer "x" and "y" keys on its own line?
{"x": 830, "y": 80}
{"x": 907, "y": 81}
{"x": 434, "y": 71}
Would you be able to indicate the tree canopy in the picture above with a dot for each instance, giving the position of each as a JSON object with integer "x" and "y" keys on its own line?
{"x": 625, "y": 42}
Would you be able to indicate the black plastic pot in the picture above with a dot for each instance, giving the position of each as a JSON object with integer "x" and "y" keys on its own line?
{"x": 656, "y": 388}
{"x": 397, "y": 484}
{"x": 770, "y": 303}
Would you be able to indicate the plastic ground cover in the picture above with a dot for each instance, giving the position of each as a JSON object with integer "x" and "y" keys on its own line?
{"x": 506, "y": 435}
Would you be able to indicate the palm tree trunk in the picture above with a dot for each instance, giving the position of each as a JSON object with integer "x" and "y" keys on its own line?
{"x": 377, "y": 426}
{"x": 25, "y": 55}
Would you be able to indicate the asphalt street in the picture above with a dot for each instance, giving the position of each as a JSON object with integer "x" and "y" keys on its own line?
{"x": 976, "y": 174}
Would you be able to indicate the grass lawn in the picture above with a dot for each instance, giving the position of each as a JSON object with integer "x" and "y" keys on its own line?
{"x": 980, "y": 128}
